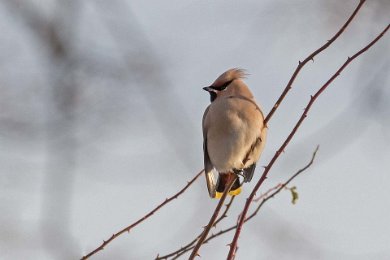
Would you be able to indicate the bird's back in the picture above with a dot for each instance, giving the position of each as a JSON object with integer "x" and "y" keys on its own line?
{"x": 234, "y": 123}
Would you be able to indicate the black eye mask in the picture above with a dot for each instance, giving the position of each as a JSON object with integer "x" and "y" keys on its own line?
{"x": 224, "y": 86}
{"x": 213, "y": 94}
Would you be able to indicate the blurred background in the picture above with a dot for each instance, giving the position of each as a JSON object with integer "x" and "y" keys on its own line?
{"x": 100, "y": 120}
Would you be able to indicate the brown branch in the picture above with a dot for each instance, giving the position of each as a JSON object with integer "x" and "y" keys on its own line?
{"x": 190, "y": 246}
{"x": 128, "y": 228}
{"x": 224, "y": 214}
{"x": 229, "y": 185}
{"x": 266, "y": 194}
{"x": 308, "y": 58}
{"x": 264, "y": 198}
{"x": 233, "y": 245}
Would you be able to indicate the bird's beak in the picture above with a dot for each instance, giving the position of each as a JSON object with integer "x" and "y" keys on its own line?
{"x": 212, "y": 91}
{"x": 209, "y": 89}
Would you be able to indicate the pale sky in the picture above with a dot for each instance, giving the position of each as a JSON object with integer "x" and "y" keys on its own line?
{"x": 93, "y": 140}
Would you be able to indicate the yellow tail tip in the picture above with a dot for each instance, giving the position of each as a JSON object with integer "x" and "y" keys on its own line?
{"x": 235, "y": 192}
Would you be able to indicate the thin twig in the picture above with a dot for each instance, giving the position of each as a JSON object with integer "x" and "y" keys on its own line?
{"x": 232, "y": 178}
{"x": 233, "y": 245}
{"x": 224, "y": 214}
{"x": 278, "y": 188}
{"x": 308, "y": 58}
{"x": 265, "y": 194}
{"x": 190, "y": 246}
{"x": 128, "y": 228}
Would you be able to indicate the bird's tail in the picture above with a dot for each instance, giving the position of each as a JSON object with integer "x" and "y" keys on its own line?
{"x": 223, "y": 179}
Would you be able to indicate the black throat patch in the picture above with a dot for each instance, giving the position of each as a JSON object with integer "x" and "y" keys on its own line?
{"x": 213, "y": 96}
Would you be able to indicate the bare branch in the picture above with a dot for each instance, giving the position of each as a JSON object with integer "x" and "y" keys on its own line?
{"x": 308, "y": 58}
{"x": 231, "y": 179}
{"x": 224, "y": 214}
{"x": 233, "y": 245}
{"x": 128, "y": 228}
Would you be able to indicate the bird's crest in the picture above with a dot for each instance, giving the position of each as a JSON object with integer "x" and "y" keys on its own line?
{"x": 230, "y": 75}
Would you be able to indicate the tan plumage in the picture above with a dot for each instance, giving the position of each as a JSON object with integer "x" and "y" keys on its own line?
{"x": 233, "y": 132}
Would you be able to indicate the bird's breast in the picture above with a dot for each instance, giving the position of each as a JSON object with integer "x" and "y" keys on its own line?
{"x": 234, "y": 126}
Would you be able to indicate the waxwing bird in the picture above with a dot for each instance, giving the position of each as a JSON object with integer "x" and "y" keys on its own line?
{"x": 234, "y": 133}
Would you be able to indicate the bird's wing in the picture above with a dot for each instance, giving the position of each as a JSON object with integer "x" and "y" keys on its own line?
{"x": 208, "y": 169}
{"x": 254, "y": 151}
{"x": 248, "y": 172}
{"x": 208, "y": 166}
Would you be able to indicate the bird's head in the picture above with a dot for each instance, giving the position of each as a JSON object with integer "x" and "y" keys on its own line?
{"x": 227, "y": 84}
